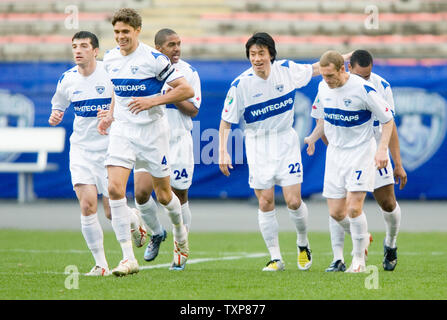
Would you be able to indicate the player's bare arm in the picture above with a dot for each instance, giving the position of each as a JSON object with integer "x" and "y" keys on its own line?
{"x": 186, "y": 107}
{"x": 224, "y": 157}
{"x": 381, "y": 157}
{"x": 316, "y": 134}
{"x": 180, "y": 92}
{"x": 399, "y": 171}
{"x": 55, "y": 117}
{"x": 106, "y": 118}
{"x": 316, "y": 65}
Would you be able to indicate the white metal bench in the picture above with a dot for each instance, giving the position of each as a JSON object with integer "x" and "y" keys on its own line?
{"x": 30, "y": 140}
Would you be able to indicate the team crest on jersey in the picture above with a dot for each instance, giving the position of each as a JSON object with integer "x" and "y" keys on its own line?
{"x": 421, "y": 128}
{"x": 100, "y": 89}
{"x": 347, "y": 102}
{"x": 134, "y": 69}
{"x": 280, "y": 87}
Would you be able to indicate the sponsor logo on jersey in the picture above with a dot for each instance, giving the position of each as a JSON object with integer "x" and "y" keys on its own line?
{"x": 421, "y": 120}
{"x": 269, "y": 108}
{"x": 137, "y": 87}
{"x": 90, "y": 107}
{"x": 344, "y": 118}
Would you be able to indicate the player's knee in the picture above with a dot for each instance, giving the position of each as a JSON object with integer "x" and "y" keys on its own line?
{"x": 115, "y": 192}
{"x": 88, "y": 207}
{"x": 337, "y": 215}
{"x": 266, "y": 204}
{"x": 353, "y": 211}
{"x": 142, "y": 196}
{"x": 182, "y": 195}
{"x": 293, "y": 204}
{"x": 388, "y": 204}
{"x": 164, "y": 196}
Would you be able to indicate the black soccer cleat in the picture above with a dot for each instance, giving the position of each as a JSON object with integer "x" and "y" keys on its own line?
{"x": 390, "y": 258}
{"x": 336, "y": 266}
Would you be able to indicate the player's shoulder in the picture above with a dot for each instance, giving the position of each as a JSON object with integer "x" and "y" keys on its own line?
{"x": 111, "y": 53}
{"x": 358, "y": 83}
{"x": 185, "y": 66}
{"x": 68, "y": 75}
{"x": 245, "y": 77}
{"x": 379, "y": 81}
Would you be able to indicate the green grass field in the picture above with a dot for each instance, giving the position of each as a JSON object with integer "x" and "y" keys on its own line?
{"x": 222, "y": 266}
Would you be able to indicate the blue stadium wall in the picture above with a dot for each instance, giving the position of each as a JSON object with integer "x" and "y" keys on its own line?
{"x": 421, "y": 115}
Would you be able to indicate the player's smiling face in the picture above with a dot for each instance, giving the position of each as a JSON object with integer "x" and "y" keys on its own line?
{"x": 333, "y": 77}
{"x": 126, "y": 37}
{"x": 83, "y": 52}
{"x": 260, "y": 60}
{"x": 364, "y": 72}
{"x": 171, "y": 48}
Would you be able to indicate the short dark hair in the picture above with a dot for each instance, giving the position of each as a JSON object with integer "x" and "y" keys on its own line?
{"x": 262, "y": 39}
{"x": 362, "y": 58}
{"x": 87, "y": 35}
{"x": 161, "y": 35}
{"x": 128, "y": 16}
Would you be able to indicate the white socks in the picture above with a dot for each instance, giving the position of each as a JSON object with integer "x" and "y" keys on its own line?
{"x": 359, "y": 234}
{"x": 186, "y": 214}
{"x": 337, "y": 238}
{"x": 269, "y": 230}
{"x": 299, "y": 217}
{"x": 149, "y": 214}
{"x": 175, "y": 214}
{"x": 121, "y": 225}
{"x": 392, "y": 224}
{"x": 93, "y": 235}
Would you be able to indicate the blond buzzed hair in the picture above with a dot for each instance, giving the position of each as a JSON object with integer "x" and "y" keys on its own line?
{"x": 332, "y": 57}
{"x": 128, "y": 16}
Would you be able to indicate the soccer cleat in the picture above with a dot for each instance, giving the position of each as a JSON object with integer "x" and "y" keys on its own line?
{"x": 304, "y": 258}
{"x": 98, "y": 271}
{"x": 139, "y": 234}
{"x": 274, "y": 265}
{"x": 126, "y": 267}
{"x": 336, "y": 266}
{"x": 153, "y": 246}
{"x": 181, "y": 252}
{"x": 357, "y": 266}
{"x": 390, "y": 258}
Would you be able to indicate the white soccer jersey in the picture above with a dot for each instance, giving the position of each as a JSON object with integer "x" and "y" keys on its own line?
{"x": 86, "y": 95}
{"x": 139, "y": 74}
{"x": 178, "y": 121}
{"x": 384, "y": 90}
{"x": 349, "y": 111}
{"x": 266, "y": 104}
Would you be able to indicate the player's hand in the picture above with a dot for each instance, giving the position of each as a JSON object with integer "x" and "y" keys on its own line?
{"x": 55, "y": 117}
{"x": 400, "y": 174}
{"x": 225, "y": 163}
{"x": 139, "y": 104}
{"x": 381, "y": 159}
{"x": 347, "y": 56}
{"x": 104, "y": 124}
{"x": 311, "y": 146}
{"x": 102, "y": 113}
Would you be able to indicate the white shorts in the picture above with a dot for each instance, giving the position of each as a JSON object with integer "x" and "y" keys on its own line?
{"x": 87, "y": 167}
{"x": 349, "y": 170}
{"x": 140, "y": 146}
{"x": 274, "y": 159}
{"x": 385, "y": 176}
{"x": 182, "y": 161}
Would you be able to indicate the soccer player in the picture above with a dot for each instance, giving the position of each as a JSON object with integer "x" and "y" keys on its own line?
{"x": 348, "y": 105}
{"x": 86, "y": 88}
{"x": 263, "y": 96}
{"x": 139, "y": 133}
{"x": 181, "y": 149}
{"x": 361, "y": 64}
